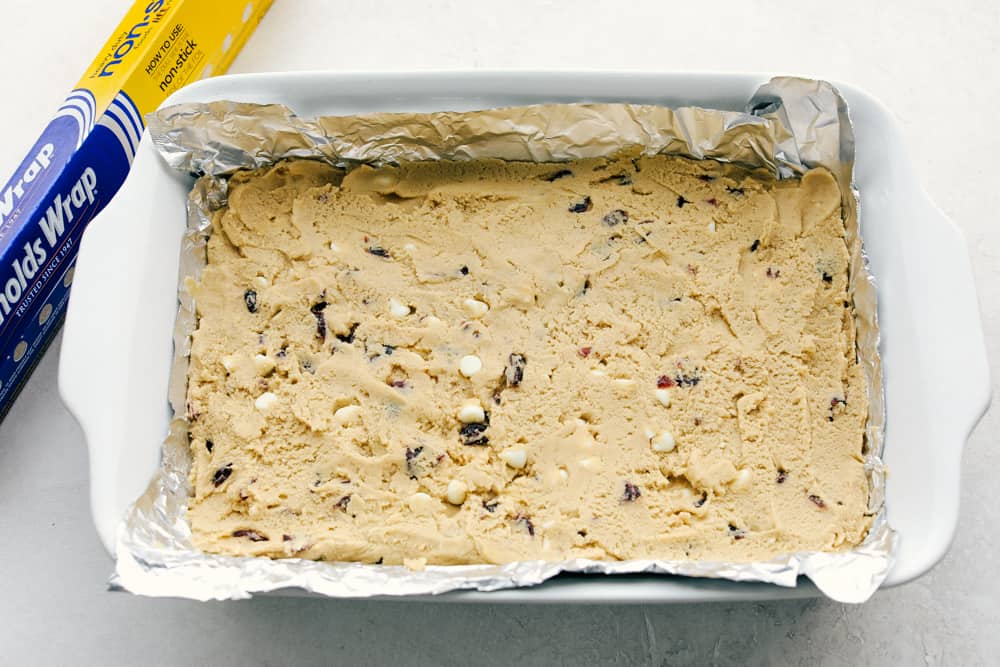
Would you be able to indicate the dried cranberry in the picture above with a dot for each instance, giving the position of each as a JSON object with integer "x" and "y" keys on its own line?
{"x": 209, "y": 445}
{"x": 621, "y": 179}
{"x": 379, "y": 251}
{"x": 317, "y": 311}
{"x": 556, "y": 175}
{"x": 349, "y": 336}
{"x": 464, "y": 270}
{"x": 712, "y": 202}
{"x": 706, "y": 178}
{"x": 681, "y": 201}
{"x": 250, "y": 299}
{"x": 827, "y": 278}
{"x": 817, "y": 501}
{"x": 834, "y": 402}
{"x": 222, "y": 474}
{"x": 782, "y": 476}
{"x": 585, "y": 351}
{"x": 514, "y": 372}
{"x": 615, "y": 218}
{"x": 586, "y": 285}
{"x": 581, "y": 205}
{"x": 632, "y": 492}
{"x": 773, "y": 273}
{"x": 755, "y": 245}
{"x": 474, "y": 434}
{"x": 736, "y": 533}
{"x": 664, "y": 382}
{"x": 285, "y": 537}
{"x": 411, "y": 465}
{"x": 251, "y": 535}
{"x": 687, "y": 379}
{"x": 342, "y": 503}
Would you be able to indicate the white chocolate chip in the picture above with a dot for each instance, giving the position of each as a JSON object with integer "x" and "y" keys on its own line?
{"x": 431, "y": 321}
{"x": 420, "y": 502}
{"x": 347, "y": 414}
{"x": 229, "y": 362}
{"x": 664, "y": 442}
{"x": 266, "y": 401}
{"x": 475, "y": 308}
{"x": 546, "y": 544}
{"x": 472, "y": 412}
{"x": 563, "y": 474}
{"x": 590, "y": 463}
{"x": 415, "y": 564}
{"x": 515, "y": 457}
{"x": 742, "y": 480}
{"x": 263, "y": 363}
{"x": 456, "y": 492}
{"x": 398, "y": 310}
{"x": 649, "y": 433}
{"x": 663, "y": 396}
{"x": 261, "y": 281}
{"x": 623, "y": 382}
{"x": 469, "y": 365}
{"x": 711, "y": 226}
{"x": 409, "y": 247}
{"x": 384, "y": 180}
{"x": 598, "y": 373}
{"x": 334, "y": 247}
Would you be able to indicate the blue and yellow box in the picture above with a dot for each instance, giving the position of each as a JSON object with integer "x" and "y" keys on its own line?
{"x": 84, "y": 154}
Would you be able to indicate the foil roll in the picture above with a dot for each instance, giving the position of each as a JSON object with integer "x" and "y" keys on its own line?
{"x": 788, "y": 126}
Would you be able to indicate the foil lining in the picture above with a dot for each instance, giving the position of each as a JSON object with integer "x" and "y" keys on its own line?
{"x": 789, "y": 125}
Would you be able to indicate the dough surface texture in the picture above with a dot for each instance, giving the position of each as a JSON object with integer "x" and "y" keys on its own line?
{"x": 485, "y": 362}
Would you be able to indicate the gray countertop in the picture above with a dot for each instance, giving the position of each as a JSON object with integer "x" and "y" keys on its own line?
{"x": 915, "y": 57}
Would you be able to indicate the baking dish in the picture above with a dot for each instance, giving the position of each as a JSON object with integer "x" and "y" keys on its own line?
{"x": 934, "y": 396}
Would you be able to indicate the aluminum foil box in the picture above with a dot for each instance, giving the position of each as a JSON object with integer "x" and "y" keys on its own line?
{"x": 83, "y": 156}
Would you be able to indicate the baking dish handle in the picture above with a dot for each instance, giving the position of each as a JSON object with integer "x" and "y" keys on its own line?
{"x": 952, "y": 341}
{"x": 944, "y": 344}
{"x": 118, "y": 265}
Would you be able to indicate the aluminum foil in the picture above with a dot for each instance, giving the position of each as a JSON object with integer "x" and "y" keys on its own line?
{"x": 789, "y": 125}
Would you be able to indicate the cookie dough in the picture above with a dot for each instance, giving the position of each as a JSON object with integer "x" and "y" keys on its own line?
{"x": 485, "y": 362}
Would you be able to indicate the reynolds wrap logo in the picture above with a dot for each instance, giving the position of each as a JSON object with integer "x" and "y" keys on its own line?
{"x": 65, "y": 207}
{"x": 14, "y": 193}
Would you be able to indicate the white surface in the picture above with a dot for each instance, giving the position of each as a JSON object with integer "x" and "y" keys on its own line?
{"x": 902, "y": 230}
{"x": 915, "y": 57}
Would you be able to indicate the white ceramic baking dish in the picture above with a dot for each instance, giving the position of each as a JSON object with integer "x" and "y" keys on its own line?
{"x": 117, "y": 344}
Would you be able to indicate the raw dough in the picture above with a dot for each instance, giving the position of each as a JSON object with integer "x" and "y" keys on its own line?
{"x": 663, "y": 350}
